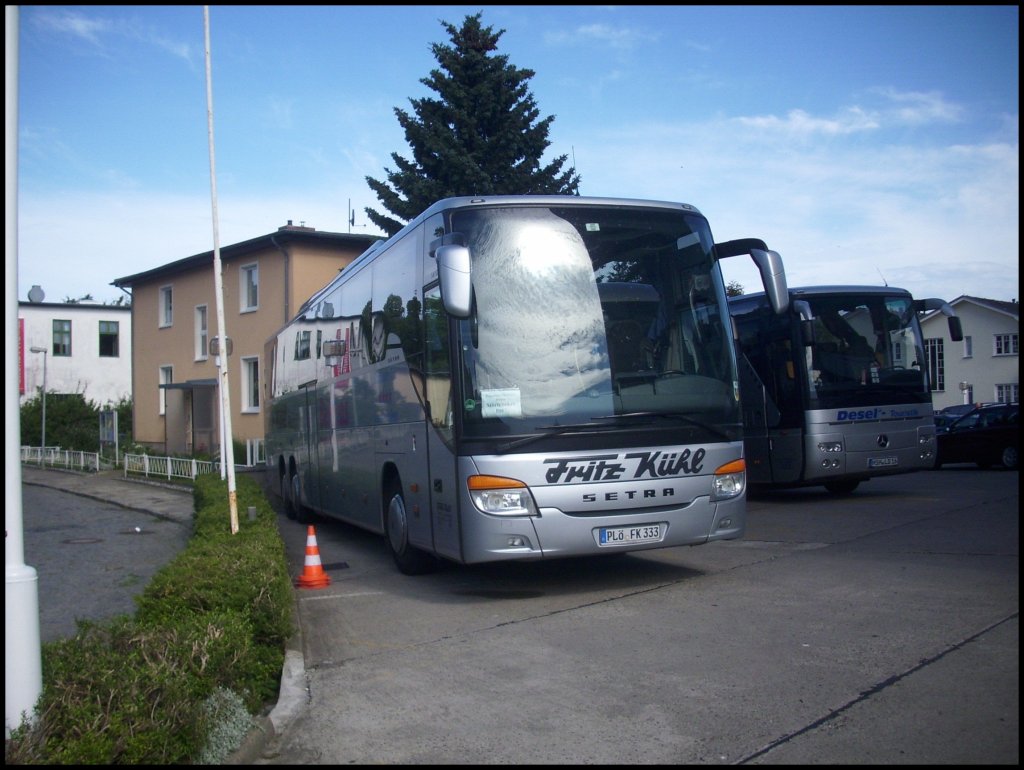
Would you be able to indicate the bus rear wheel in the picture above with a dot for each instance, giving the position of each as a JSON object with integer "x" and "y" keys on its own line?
{"x": 293, "y": 507}
{"x": 409, "y": 559}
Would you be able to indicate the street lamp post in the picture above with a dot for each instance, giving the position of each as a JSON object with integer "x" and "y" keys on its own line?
{"x": 42, "y": 449}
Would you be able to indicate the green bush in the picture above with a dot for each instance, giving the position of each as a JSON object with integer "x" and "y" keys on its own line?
{"x": 72, "y": 421}
{"x": 165, "y": 686}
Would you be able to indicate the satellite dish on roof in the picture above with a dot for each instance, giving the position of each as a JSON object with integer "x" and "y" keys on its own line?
{"x": 36, "y": 293}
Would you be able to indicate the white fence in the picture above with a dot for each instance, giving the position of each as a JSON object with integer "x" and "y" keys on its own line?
{"x": 255, "y": 452}
{"x": 55, "y": 457}
{"x": 149, "y": 466}
{"x": 167, "y": 467}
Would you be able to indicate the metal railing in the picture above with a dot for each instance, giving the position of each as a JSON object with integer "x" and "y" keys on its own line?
{"x": 150, "y": 466}
{"x": 167, "y": 467}
{"x": 55, "y": 457}
{"x": 255, "y": 452}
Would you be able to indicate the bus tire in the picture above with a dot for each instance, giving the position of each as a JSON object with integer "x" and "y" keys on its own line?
{"x": 293, "y": 507}
{"x": 286, "y": 496}
{"x": 841, "y": 486}
{"x": 409, "y": 559}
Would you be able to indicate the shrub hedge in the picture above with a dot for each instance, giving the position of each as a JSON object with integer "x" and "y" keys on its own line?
{"x": 178, "y": 681}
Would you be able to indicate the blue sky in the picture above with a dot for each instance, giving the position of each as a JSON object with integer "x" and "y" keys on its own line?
{"x": 865, "y": 144}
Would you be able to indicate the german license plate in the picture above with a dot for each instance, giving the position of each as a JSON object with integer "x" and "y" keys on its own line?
{"x": 640, "y": 533}
{"x": 882, "y": 462}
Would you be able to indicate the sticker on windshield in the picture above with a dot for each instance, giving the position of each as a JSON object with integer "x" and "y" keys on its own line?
{"x": 501, "y": 402}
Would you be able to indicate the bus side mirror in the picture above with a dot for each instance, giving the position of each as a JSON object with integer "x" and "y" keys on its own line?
{"x": 807, "y": 331}
{"x": 806, "y": 320}
{"x": 769, "y": 264}
{"x": 454, "y": 273}
{"x": 956, "y": 330}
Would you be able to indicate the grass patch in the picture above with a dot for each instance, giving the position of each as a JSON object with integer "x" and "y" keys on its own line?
{"x": 179, "y": 681}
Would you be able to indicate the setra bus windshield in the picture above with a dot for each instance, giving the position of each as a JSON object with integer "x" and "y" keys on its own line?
{"x": 594, "y": 317}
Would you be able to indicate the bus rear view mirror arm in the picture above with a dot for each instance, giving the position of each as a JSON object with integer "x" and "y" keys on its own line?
{"x": 769, "y": 264}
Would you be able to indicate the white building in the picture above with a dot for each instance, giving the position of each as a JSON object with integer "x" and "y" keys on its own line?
{"x": 88, "y": 350}
{"x": 985, "y": 366}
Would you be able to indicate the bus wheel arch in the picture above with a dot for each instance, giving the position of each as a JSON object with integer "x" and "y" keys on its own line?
{"x": 409, "y": 559}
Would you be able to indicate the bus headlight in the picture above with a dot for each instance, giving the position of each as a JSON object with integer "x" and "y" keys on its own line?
{"x": 830, "y": 446}
{"x": 501, "y": 496}
{"x": 730, "y": 480}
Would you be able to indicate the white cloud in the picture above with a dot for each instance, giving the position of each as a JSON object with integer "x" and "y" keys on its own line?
{"x": 799, "y": 122}
{"x": 940, "y": 221}
{"x": 73, "y": 24}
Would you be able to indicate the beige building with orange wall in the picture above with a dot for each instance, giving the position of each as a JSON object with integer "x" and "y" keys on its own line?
{"x": 174, "y": 319}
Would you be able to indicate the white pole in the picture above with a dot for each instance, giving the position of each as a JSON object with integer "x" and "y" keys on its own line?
{"x": 23, "y": 663}
{"x": 222, "y": 346}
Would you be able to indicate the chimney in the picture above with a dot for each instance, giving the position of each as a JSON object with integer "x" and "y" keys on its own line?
{"x": 301, "y": 227}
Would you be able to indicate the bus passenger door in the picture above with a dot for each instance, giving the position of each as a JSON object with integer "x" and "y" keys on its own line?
{"x": 309, "y": 464}
{"x": 443, "y": 479}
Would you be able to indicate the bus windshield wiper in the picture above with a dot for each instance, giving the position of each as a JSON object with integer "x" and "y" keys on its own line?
{"x": 650, "y": 417}
{"x": 632, "y": 418}
{"x": 550, "y": 430}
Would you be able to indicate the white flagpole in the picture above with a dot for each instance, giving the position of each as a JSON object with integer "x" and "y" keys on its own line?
{"x": 227, "y": 444}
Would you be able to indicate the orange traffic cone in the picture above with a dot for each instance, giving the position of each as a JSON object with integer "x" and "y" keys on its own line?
{"x": 313, "y": 575}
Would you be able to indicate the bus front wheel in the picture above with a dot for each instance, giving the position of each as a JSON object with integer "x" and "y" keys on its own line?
{"x": 841, "y": 487}
{"x": 409, "y": 559}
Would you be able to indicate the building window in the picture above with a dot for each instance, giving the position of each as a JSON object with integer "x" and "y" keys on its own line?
{"x": 166, "y": 306}
{"x": 301, "y": 346}
{"x": 108, "y": 339}
{"x": 1008, "y": 394}
{"x": 61, "y": 338}
{"x": 166, "y": 378}
{"x": 1005, "y": 345}
{"x": 202, "y": 340}
{"x": 968, "y": 346}
{"x": 936, "y": 363}
{"x": 249, "y": 290}
{"x": 251, "y": 384}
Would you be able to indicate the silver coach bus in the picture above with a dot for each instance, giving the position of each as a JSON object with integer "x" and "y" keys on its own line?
{"x": 520, "y": 377}
{"x": 836, "y": 390}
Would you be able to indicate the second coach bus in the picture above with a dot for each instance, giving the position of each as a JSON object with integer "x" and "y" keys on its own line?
{"x": 520, "y": 377}
{"x": 836, "y": 390}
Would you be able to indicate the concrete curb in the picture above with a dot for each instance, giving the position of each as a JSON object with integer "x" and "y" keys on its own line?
{"x": 263, "y": 740}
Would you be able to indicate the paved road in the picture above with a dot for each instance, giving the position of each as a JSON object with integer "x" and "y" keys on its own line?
{"x": 878, "y": 628}
{"x": 95, "y": 542}
{"x": 882, "y": 627}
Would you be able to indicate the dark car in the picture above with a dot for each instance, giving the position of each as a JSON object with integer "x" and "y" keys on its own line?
{"x": 988, "y": 435}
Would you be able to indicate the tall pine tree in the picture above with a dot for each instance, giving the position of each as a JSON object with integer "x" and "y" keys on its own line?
{"x": 480, "y": 137}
